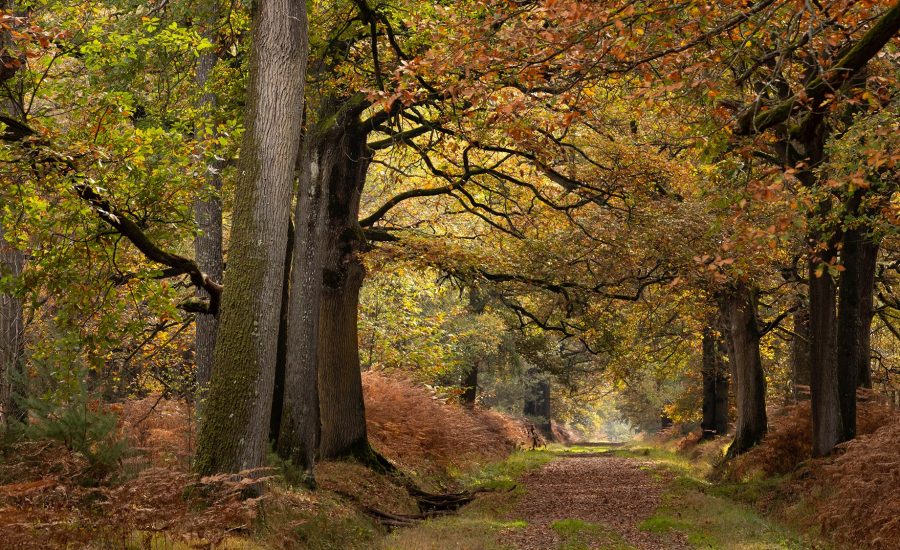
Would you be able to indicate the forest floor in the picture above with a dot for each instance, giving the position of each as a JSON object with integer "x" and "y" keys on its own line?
{"x": 586, "y": 497}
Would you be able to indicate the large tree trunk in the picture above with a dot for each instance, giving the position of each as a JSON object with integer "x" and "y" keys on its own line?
{"x": 235, "y": 426}
{"x": 800, "y": 347}
{"x": 208, "y": 215}
{"x": 739, "y": 311}
{"x": 299, "y": 434}
{"x": 858, "y": 257}
{"x": 343, "y": 421}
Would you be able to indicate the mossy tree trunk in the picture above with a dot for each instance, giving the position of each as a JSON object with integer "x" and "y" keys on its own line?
{"x": 235, "y": 426}
{"x": 739, "y": 312}
{"x": 207, "y": 214}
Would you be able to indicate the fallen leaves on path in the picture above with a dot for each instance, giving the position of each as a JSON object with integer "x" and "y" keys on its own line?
{"x": 615, "y": 493}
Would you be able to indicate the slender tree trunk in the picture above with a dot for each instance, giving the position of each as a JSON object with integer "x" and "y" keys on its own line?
{"x": 477, "y": 303}
{"x": 470, "y": 386}
{"x": 721, "y": 419}
{"x": 739, "y": 311}
{"x": 235, "y": 426}
{"x": 12, "y": 334}
{"x": 537, "y": 402}
{"x": 800, "y": 346}
{"x": 869, "y": 261}
{"x": 715, "y": 386}
{"x": 825, "y": 399}
{"x": 708, "y": 372}
{"x": 12, "y": 262}
{"x": 858, "y": 257}
{"x": 208, "y": 242}
{"x": 281, "y": 351}
{"x": 299, "y": 435}
{"x": 343, "y": 421}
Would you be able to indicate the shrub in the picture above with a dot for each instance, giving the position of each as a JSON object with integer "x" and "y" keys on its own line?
{"x": 78, "y": 420}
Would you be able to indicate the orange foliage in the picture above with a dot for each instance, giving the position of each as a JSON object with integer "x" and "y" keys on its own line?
{"x": 422, "y": 433}
{"x": 859, "y": 504}
{"x": 788, "y": 442}
{"x": 160, "y": 430}
{"x": 44, "y": 502}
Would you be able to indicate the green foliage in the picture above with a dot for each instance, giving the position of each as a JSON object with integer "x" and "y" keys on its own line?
{"x": 70, "y": 413}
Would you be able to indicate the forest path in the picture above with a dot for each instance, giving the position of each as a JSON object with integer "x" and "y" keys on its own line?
{"x": 591, "y": 500}
{"x": 597, "y": 497}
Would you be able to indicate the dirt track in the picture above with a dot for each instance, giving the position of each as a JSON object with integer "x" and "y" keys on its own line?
{"x": 615, "y": 493}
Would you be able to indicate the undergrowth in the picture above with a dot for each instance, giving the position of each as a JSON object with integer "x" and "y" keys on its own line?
{"x": 479, "y": 525}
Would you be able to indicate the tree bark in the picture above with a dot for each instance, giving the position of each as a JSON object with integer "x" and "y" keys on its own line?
{"x": 721, "y": 419}
{"x": 855, "y": 310}
{"x": 282, "y": 346}
{"x": 299, "y": 432}
{"x": 12, "y": 262}
{"x": 12, "y": 335}
{"x": 235, "y": 426}
{"x": 470, "y": 386}
{"x": 800, "y": 346}
{"x": 341, "y": 407}
{"x": 825, "y": 400}
{"x": 208, "y": 242}
{"x": 715, "y": 386}
{"x": 708, "y": 373}
{"x": 739, "y": 312}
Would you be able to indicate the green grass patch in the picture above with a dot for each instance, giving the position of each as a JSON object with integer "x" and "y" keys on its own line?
{"x": 711, "y": 519}
{"x": 578, "y": 534}
{"x": 504, "y": 475}
{"x": 663, "y": 458}
{"x": 467, "y": 531}
{"x": 323, "y": 532}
